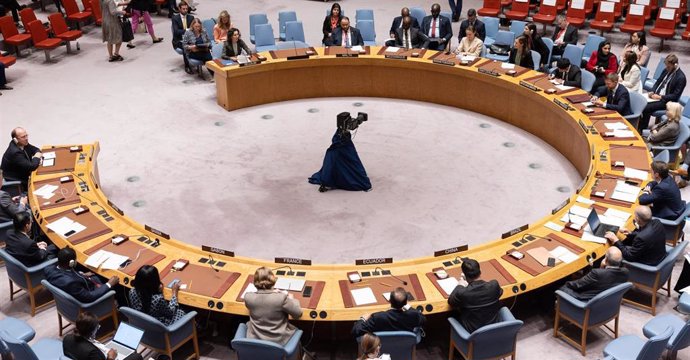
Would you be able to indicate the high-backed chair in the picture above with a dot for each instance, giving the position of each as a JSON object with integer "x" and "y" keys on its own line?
{"x": 208, "y": 25}
{"x": 294, "y": 31}
{"x": 254, "y": 349}
{"x": 536, "y": 59}
{"x": 573, "y": 53}
{"x": 649, "y": 83}
{"x": 256, "y": 19}
{"x": 491, "y": 27}
{"x": 664, "y": 26}
{"x": 637, "y": 104}
{"x": 605, "y": 17}
{"x": 283, "y": 18}
{"x": 17, "y": 328}
{"x": 674, "y": 228}
{"x": 674, "y": 149}
{"x": 652, "y": 278}
{"x": 26, "y": 278}
{"x": 43, "y": 349}
{"x": 644, "y": 73}
{"x": 680, "y": 339}
{"x": 662, "y": 156}
{"x": 587, "y": 80}
{"x": 265, "y": 40}
{"x": 73, "y": 13}
{"x": 366, "y": 27}
{"x": 519, "y": 10}
{"x": 11, "y": 35}
{"x": 418, "y": 13}
{"x": 502, "y": 38}
{"x": 591, "y": 45}
{"x": 161, "y": 338}
{"x": 634, "y": 19}
{"x": 490, "y": 8}
{"x": 492, "y": 341}
{"x": 69, "y": 308}
{"x": 399, "y": 344}
{"x": 577, "y": 13}
{"x": 62, "y": 32}
{"x": 546, "y": 14}
{"x": 632, "y": 347}
{"x": 28, "y": 15}
{"x": 41, "y": 39}
{"x": 517, "y": 27}
{"x": 97, "y": 13}
{"x": 549, "y": 45}
{"x": 596, "y": 312}
{"x": 217, "y": 50}
{"x": 365, "y": 14}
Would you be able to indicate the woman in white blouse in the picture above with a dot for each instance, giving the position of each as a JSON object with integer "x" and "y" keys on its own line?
{"x": 629, "y": 72}
{"x": 470, "y": 44}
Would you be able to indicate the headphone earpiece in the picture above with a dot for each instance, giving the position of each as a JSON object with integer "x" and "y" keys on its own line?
{"x": 72, "y": 264}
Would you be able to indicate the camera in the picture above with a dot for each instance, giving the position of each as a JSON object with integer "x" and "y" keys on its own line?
{"x": 346, "y": 122}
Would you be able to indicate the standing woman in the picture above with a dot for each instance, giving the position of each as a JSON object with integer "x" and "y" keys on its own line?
{"x": 601, "y": 63}
{"x": 112, "y": 28}
{"x": 331, "y": 22}
{"x": 196, "y": 43}
{"x": 638, "y": 45}
{"x": 234, "y": 45}
{"x": 520, "y": 54}
{"x": 630, "y": 72}
{"x": 140, "y": 9}
{"x": 220, "y": 29}
{"x": 536, "y": 43}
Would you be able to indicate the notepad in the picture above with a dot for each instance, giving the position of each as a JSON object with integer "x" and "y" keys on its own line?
{"x": 250, "y": 289}
{"x": 563, "y": 254}
{"x": 48, "y": 162}
{"x": 553, "y": 226}
{"x": 448, "y": 284}
{"x": 616, "y": 126}
{"x": 468, "y": 58}
{"x": 623, "y": 133}
{"x": 290, "y": 284}
{"x": 97, "y": 258}
{"x": 507, "y": 66}
{"x": 564, "y": 87}
{"x": 65, "y": 225}
{"x": 392, "y": 49}
{"x": 114, "y": 261}
{"x": 363, "y": 296}
{"x": 357, "y": 48}
{"x": 614, "y": 213}
{"x": 635, "y": 174}
{"x": 584, "y": 200}
{"x": 49, "y": 155}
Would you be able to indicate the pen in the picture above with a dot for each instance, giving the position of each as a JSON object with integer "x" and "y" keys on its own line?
{"x": 384, "y": 284}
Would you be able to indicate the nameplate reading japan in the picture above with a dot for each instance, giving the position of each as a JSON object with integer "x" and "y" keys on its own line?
{"x": 514, "y": 231}
{"x": 115, "y": 208}
{"x": 452, "y": 250}
{"x": 293, "y": 261}
{"x": 157, "y": 232}
{"x": 374, "y": 261}
{"x": 218, "y": 251}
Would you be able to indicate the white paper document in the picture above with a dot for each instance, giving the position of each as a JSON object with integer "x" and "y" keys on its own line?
{"x": 618, "y": 125}
{"x": 357, "y": 48}
{"x": 614, "y": 213}
{"x": 575, "y": 219}
{"x": 588, "y": 236}
{"x": 468, "y": 58}
{"x": 563, "y": 87}
{"x": 553, "y": 226}
{"x": 584, "y": 200}
{"x": 623, "y": 133}
{"x": 563, "y": 254}
{"x": 48, "y": 162}
{"x": 97, "y": 258}
{"x": 580, "y": 211}
{"x": 650, "y": 99}
{"x": 635, "y": 174}
{"x": 392, "y": 49}
{"x": 64, "y": 225}
{"x": 46, "y": 191}
{"x": 363, "y": 296}
{"x": 289, "y": 284}
{"x": 250, "y": 289}
{"x": 114, "y": 261}
{"x": 448, "y": 284}
{"x": 508, "y": 66}
{"x": 49, "y": 155}
{"x": 627, "y": 188}
{"x": 587, "y": 104}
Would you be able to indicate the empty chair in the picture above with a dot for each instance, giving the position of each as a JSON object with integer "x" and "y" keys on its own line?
{"x": 674, "y": 149}
{"x": 663, "y": 157}
{"x": 637, "y": 105}
{"x": 591, "y": 45}
{"x": 490, "y": 8}
{"x": 28, "y": 15}
{"x": 536, "y": 58}
{"x": 665, "y": 25}
{"x": 164, "y": 339}
{"x": 649, "y": 83}
{"x": 43, "y": 349}
{"x": 366, "y": 28}
{"x": 517, "y": 27}
{"x": 17, "y": 328}
{"x": 587, "y": 80}
{"x": 62, "y": 32}
{"x": 549, "y": 45}
{"x": 491, "y": 27}
{"x": 364, "y": 14}
{"x": 574, "y": 54}
{"x": 217, "y": 50}
{"x": 674, "y": 228}
{"x": 502, "y": 38}
{"x": 598, "y": 311}
{"x": 546, "y": 14}
{"x": 11, "y": 35}
{"x": 644, "y": 72}
{"x": 73, "y": 13}
{"x": 96, "y": 11}
{"x": 40, "y": 38}
{"x": 491, "y": 341}
{"x": 577, "y": 13}
{"x": 634, "y": 19}
{"x": 208, "y": 25}
{"x": 256, "y": 19}
{"x": 254, "y": 349}
{"x": 294, "y": 31}
{"x": 288, "y": 45}
{"x": 680, "y": 339}
{"x": 28, "y": 279}
{"x": 632, "y": 347}
{"x": 519, "y": 10}
{"x": 418, "y": 13}
{"x": 605, "y": 18}
{"x": 283, "y": 18}
{"x": 265, "y": 40}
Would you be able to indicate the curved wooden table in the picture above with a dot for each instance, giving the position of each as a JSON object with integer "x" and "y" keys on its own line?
{"x": 366, "y": 76}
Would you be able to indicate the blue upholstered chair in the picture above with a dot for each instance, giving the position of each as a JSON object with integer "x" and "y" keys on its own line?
{"x": 4, "y": 226}
{"x": 12, "y": 187}
{"x": 161, "y": 338}
{"x": 217, "y": 50}
{"x": 283, "y": 18}
{"x": 398, "y": 344}
{"x": 265, "y": 40}
{"x": 652, "y": 278}
{"x": 591, "y": 45}
{"x": 674, "y": 149}
{"x": 674, "y": 228}
{"x": 502, "y": 38}
{"x": 488, "y": 342}
{"x": 418, "y": 13}
{"x": 633, "y": 348}
{"x": 294, "y": 31}
{"x": 596, "y": 312}
{"x": 491, "y": 27}
{"x": 447, "y": 14}
{"x": 536, "y": 59}
{"x": 549, "y": 45}
{"x": 684, "y": 303}
{"x": 43, "y": 349}
{"x": 662, "y": 156}
{"x": 660, "y": 66}
{"x": 517, "y": 27}
{"x": 17, "y": 328}
{"x": 256, "y": 19}
{"x": 572, "y": 53}
{"x": 26, "y": 278}
{"x": 208, "y": 25}
{"x": 644, "y": 72}
{"x": 289, "y": 45}
{"x": 366, "y": 27}
{"x": 365, "y": 14}
{"x": 681, "y": 332}
{"x": 69, "y": 308}
{"x": 587, "y": 81}
{"x": 253, "y": 349}
{"x": 637, "y": 105}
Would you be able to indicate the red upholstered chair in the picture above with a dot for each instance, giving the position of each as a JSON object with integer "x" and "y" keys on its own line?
{"x": 548, "y": 9}
{"x": 28, "y": 15}
{"x": 96, "y": 11}
{"x": 561, "y": 5}
{"x": 519, "y": 10}
{"x": 634, "y": 20}
{"x": 576, "y": 13}
{"x": 73, "y": 13}
{"x": 647, "y": 9}
{"x": 62, "y": 32}
{"x": 8, "y": 60}
{"x": 505, "y": 4}
{"x": 11, "y": 35}
{"x": 589, "y": 6}
{"x": 605, "y": 17}
{"x": 87, "y": 5}
{"x": 665, "y": 25}
{"x": 41, "y": 40}
{"x": 491, "y": 8}
{"x": 674, "y": 4}
{"x": 686, "y": 35}
{"x": 618, "y": 8}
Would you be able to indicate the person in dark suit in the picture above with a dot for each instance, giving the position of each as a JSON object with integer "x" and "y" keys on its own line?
{"x": 645, "y": 245}
{"x": 662, "y": 194}
{"x": 346, "y": 35}
{"x": 22, "y": 247}
{"x": 617, "y": 96}
{"x": 563, "y": 35}
{"x": 567, "y": 74}
{"x": 9, "y": 206}
{"x": 409, "y": 37}
{"x": 475, "y": 301}
{"x": 398, "y": 20}
{"x": 81, "y": 345}
{"x": 85, "y": 287}
{"x": 607, "y": 276}
{"x": 20, "y": 158}
{"x": 456, "y": 8}
{"x": 331, "y": 22}
{"x": 234, "y": 45}
{"x": 180, "y": 23}
{"x": 437, "y": 28}
{"x": 668, "y": 87}
{"x": 3, "y": 79}
{"x": 521, "y": 54}
{"x": 399, "y": 318}
{"x": 479, "y": 28}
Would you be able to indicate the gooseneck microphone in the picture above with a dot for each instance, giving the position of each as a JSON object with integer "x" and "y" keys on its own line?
{"x": 290, "y": 272}
{"x": 391, "y": 275}
{"x": 91, "y": 202}
{"x": 210, "y": 263}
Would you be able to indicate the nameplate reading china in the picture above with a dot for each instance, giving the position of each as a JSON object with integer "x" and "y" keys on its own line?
{"x": 346, "y": 55}
{"x": 293, "y": 261}
{"x": 565, "y": 106}
{"x": 374, "y": 261}
{"x": 452, "y": 250}
{"x": 216, "y": 250}
{"x": 489, "y": 72}
{"x": 524, "y": 83}
{"x": 514, "y": 231}
{"x": 561, "y": 206}
{"x": 157, "y": 232}
{"x": 444, "y": 62}
{"x": 115, "y": 208}
{"x": 397, "y": 57}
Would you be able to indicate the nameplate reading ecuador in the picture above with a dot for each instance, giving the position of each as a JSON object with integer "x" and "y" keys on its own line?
{"x": 514, "y": 231}
{"x": 561, "y": 206}
{"x": 157, "y": 232}
{"x": 216, "y": 250}
{"x": 452, "y": 250}
{"x": 293, "y": 261}
{"x": 374, "y": 261}
{"x": 119, "y": 211}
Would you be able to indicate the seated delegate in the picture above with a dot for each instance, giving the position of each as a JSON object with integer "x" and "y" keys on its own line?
{"x": 662, "y": 194}
{"x": 400, "y": 317}
{"x": 20, "y": 158}
{"x": 646, "y": 244}
{"x": 601, "y": 63}
{"x": 608, "y": 275}
{"x": 11, "y": 206}
{"x": 475, "y": 302}
{"x": 567, "y": 74}
{"x": 85, "y": 287}
{"x": 22, "y": 247}
{"x": 408, "y": 37}
{"x": 346, "y": 35}
{"x": 617, "y": 96}
{"x": 629, "y": 72}
{"x": 666, "y": 132}
{"x": 521, "y": 54}
{"x": 82, "y": 344}
{"x": 470, "y": 44}
{"x": 147, "y": 296}
{"x": 234, "y": 45}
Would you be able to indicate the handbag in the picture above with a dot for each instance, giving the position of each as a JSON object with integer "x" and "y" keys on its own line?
{"x": 499, "y": 49}
{"x": 127, "y": 34}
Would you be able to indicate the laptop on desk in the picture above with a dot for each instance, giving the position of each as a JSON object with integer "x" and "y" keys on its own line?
{"x": 597, "y": 227}
{"x": 126, "y": 340}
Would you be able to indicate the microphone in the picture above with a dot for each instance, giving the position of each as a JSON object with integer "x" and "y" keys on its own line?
{"x": 75, "y": 175}
{"x": 391, "y": 275}
{"x": 290, "y": 272}
{"x": 542, "y": 237}
{"x": 92, "y": 202}
{"x": 211, "y": 262}
{"x": 602, "y": 153}
{"x": 294, "y": 44}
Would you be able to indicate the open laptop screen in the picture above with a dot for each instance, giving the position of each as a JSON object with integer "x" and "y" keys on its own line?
{"x": 127, "y": 335}
{"x": 593, "y": 220}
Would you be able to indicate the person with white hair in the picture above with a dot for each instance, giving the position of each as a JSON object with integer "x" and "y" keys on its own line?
{"x": 610, "y": 274}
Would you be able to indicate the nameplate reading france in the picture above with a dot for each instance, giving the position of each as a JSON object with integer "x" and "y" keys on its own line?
{"x": 218, "y": 251}
{"x": 292, "y": 261}
{"x": 514, "y": 231}
{"x": 115, "y": 208}
{"x": 157, "y": 232}
{"x": 374, "y": 261}
{"x": 452, "y": 250}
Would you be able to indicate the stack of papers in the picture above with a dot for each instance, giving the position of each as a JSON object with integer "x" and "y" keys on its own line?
{"x": 46, "y": 191}
{"x": 106, "y": 260}
{"x": 618, "y": 125}
{"x": 363, "y": 296}
{"x": 615, "y": 217}
{"x": 392, "y": 49}
{"x": 448, "y": 284}
{"x": 508, "y": 66}
{"x": 65, "y": 225}
{"x": 290, "y": 284}
{"x": 553, "y": 226}
{"x": 563, "y": 87}
{"x": 623, "y": 133}
{"x": 49, "y": 158}
{"x": 563, "y": 254}
{"x": 357, "y": 48}
{"x": 584, "y": 200}
{"x": 576, "y": 215}
{"x": 250, "y": 289}
{"x": 625, "y": 192}
{"x": 468, "y": 58}
{"x": 635, "y": 174}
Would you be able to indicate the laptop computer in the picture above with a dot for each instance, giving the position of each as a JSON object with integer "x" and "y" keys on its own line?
{"x": 126, "y": 340}
{"x": 599, "y": 229}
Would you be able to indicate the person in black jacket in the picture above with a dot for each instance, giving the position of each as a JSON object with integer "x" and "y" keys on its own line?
{"x": 437, "y": 28}
{"x": 234, "y": 45}
{"x": 399, "y": 318}
{"x": 180, "y": 23}
{"x": 11, "y": 206}
{"x": 82, "y": 345}
{"x": 617, "y": 96}
{"x": 567, "y": 74}
{"x": 331, "y": 22}
{"x": 521, "y": 54}
{"x": 479, "y": 28}
{"x": 607, "y": 276}
{"x": 22, "y": 247}
{"x": 476, "y": 301}
{"x": 645, "y": 245}
{"x": 20, "y": 158}
{"x": 398, "y": 22}
{"x": 85, "y": 287}
{"x": 662, "y": 193}
{"x": 668, "y": 87}
{"x": 536, "y": 43}
{"x": 563, "y": 35}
